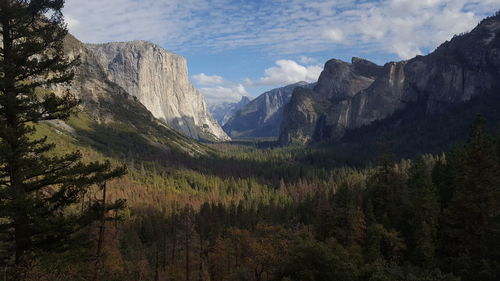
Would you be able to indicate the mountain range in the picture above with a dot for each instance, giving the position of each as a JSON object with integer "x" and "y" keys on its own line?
{"x": 348, "y": 98}
{"x": 355, "y": 95}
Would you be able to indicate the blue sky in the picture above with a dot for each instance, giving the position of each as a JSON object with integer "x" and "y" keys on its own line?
{"x": 236, "y": 47}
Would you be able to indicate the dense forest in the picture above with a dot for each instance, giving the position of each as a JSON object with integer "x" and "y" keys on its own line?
{"x": 244, "y": 213}
{"x": 104, "y": 205}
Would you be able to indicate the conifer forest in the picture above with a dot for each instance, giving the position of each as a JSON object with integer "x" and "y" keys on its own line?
{"x": 95, "y": 188}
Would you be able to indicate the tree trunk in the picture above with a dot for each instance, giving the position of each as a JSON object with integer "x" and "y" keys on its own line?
{"x": 200, "y": 269}
{"x": 100, "y": 241}
{"x": 164, "y": 252}
{"x": 174, "y": 237}
{"x": 20, "y": 222}
{"x": 187, "y": 240}
{"x": 157, "y": 265}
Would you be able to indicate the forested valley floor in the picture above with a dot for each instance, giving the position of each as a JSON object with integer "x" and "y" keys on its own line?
{"x": 246, "y": 213}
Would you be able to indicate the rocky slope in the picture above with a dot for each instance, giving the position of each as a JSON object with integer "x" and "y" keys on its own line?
{"x": 323, "y": 111}
{"x": 159, "y": 80}
{"x": 111, "y": 120}
{"x": 262, "y": 116}
{"x": 222, "y": 112}
{"x": 354, "y": 95}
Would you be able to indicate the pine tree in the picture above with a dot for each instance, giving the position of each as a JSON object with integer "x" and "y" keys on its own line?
{"x": 36, "y": 188}
{"x": 471, "y": 233}
{"x": 349, "y": 220}
{"x": 424, "y": 213}
{"x": 385, "y": 190}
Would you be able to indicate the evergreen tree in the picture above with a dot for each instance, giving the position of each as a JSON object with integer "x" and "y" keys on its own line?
{"x": 311, "y": 260}
{"x": 386, "y": 189}
{"x": 471, "y": 233}
{"x": 424, "y": 213}
{"x": 37, "y": 187}
{"x": 349, "y": 219}
{"x": 444, "y": 174}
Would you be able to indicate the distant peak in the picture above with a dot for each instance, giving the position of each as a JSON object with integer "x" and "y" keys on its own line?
{"x": 245, "y": 99}
{"x": 355, "y": 60}
{"x": 301, "y": 83}
{"x": 335, "y": 61}
{"x": 132, "y": 42}
{"x": 139, "y": 44}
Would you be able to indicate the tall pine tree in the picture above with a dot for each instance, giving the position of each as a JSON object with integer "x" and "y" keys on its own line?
{"x": 471, "y": 234}
{"x": 36, "y": 188}
{"x": 424, "y": 214}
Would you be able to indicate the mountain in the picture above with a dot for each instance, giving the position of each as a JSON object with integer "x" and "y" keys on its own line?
{"x": 112, "y": 121}
{"x": 159, "y": 80}
{"x": 222, "y": 112}
{"x": 350, "y": 96}
{"x": 262, "y": 116}
{"x": 328, "y": 102}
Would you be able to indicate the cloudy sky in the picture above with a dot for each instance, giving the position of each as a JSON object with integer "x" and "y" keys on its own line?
{"x": 244, "y": 47}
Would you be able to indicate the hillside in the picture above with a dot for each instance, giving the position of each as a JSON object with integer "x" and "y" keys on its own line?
{"x": 157, "y": 78}
{"x": 113, "y": 120}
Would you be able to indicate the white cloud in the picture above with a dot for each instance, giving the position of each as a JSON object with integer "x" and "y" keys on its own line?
{"x": 307, "y": 60}
{"x": 408, "y": 27}
{"x": 287, "y": 72}
{"x": 206, "y": 80}
{"x": 334, "y": 35}
{"x": 220, "y": 94}
{"x": 401, "y": 27}
{"x": 217, "y": 90}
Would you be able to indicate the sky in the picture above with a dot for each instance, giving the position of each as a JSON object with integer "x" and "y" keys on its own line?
{"x": 236, "y": 47}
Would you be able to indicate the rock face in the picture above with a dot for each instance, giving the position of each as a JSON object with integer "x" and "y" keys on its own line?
{"x": 353, "y": 95}
{"x": 106, "y": 110}
{"x": 323, "y": 111}
{"x": 222, "y": 112}
{"x": 262, "y": 116}
{"x": 159, "y": 80}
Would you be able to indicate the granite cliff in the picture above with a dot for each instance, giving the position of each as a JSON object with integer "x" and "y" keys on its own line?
{"x": 329, "y": 103}
{"x": 110, "y": 119}
{"x": 350, "y": 96}
{"x": 159, "y": 80}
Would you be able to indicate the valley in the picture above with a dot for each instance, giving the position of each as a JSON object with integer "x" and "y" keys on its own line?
{"x": 113, "y": 167}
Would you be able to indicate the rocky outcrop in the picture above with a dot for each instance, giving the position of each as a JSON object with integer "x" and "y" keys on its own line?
{"x": 159, "y": 80}
{"x": 262, "y": 116}
{"x": 353, "y": 95}
{"x": 107, "y": 110}
{"x": 222, "y": 112}
{"x": 324, "y": 111}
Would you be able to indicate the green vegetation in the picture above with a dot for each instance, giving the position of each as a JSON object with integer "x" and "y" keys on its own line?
{"x": 240, "y": 211}
{"x": 245, "y": 213}
{"x": 410, "y": 132}
{"x": 39, "y": 189}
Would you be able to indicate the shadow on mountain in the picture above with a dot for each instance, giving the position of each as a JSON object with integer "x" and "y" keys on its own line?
{"x": 409, "y": 132}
